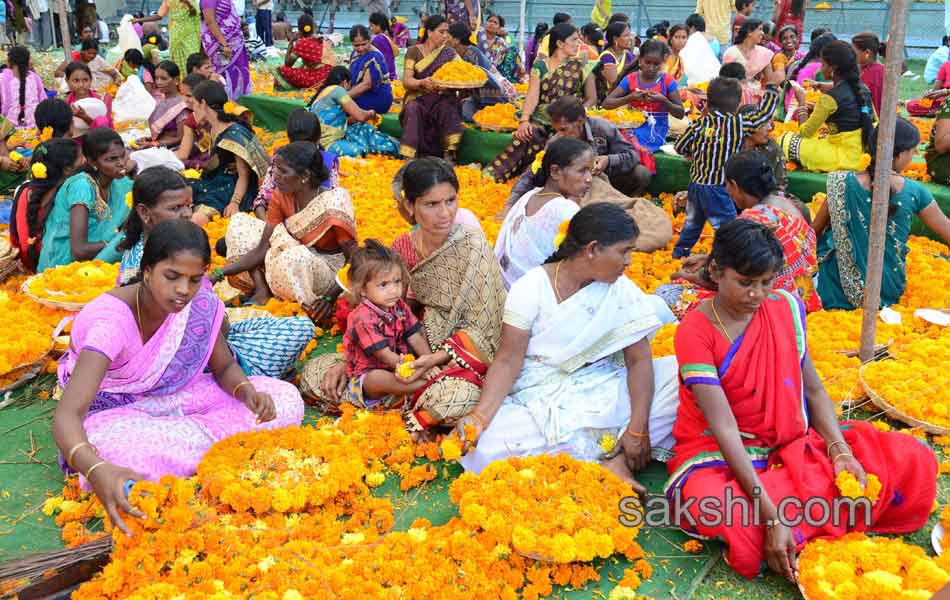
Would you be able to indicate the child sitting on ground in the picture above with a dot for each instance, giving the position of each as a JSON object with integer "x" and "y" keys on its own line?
{"x": 708, "y": 143}
{"x": 381, "y": 331}
{"x": 760, "y": 141}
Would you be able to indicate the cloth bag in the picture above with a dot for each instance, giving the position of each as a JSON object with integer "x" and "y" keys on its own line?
{"x": 699, "y": 60}
{"x": 153, "y": 157}
{"x": 132, "y": 102}
{"x": 656, "y": 227}
{"x": 128, "y": 39}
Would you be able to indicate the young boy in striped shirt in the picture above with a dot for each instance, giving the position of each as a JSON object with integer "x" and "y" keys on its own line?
{"x": 708, "y": 143}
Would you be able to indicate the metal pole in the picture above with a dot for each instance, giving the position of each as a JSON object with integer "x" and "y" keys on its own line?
{"x": 880, "y": 198}
{"x": 62, "y": 9}
{"x": 521, "y": 27}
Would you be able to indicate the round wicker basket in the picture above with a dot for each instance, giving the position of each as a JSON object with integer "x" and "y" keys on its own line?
{"x": 50, "y": 302}
{"x": 460, "y": 85}
{"x": 24, "y": 373}
{"x": 894, "y": 412}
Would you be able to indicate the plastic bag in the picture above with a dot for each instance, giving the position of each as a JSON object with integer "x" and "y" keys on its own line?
{"x": 94, "y": 107}
{"x": 128, "y": 39}
{"x": 699, "y": 59}
{"x": 152, "y": 157}
{"x": 132, "y": 102}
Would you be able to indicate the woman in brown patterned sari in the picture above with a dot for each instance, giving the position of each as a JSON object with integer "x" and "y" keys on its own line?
{"x": 308, "y": 235}
{"x": 560, "y": 74}
{"x": 431, "y": 118}
{"x": 457, "y": 282}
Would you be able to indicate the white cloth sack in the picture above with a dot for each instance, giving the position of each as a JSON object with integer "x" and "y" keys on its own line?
{"x": 699, "y": 60}
{"x": 94, "y": 107}
{"x": 128, "y": 39}
{"x": 154, "y": 157}
{"x": 132, "y": 102}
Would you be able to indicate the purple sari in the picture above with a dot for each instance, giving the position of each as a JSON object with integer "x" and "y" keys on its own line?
{"x": 237, "y": 70}
{"x": 432, "y": 122}
{"x": 388, "y": 49}
{"x": 157, "y": 411}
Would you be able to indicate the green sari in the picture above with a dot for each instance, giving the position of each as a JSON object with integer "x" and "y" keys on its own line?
{"x": 843, "y": 247}
{"x": 213, "y": 191}
{"x": 184, "y": 32}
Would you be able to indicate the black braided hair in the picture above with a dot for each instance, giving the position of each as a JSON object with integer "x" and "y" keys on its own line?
{"x": 840, "y": 56}
{"x": 58, "y": 155}
{"x": 602, "y": 222}
{"x": 148, "y": 187}
{"x": 19, "y": 56}
{"x": 215, "y": 96}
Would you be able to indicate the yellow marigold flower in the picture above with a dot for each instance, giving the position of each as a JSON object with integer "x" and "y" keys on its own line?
{"x": 417, "y": 534}
{"x": 46, "y": 134}
{"x": 266, "y": 563}
{"x": 864, "y": 162}
{"x": 344, "y": 275}
{"x": 375, "y": 479}
{"x": 292, "y": 594}
{"x": 38, "y": 170}
{"x": 405, "y": 369}
{"x": 450, "y": 450}
{"x": 881, "y": 425}
{"x": 562, "y": 231}
{"x": 607, "y": 442}
{"x": 191, "y": 174}
{"x": 129, "y": 200}
{"x": 230, "y": 108}
{"x": 350, "y": 539}
{"x": 622, "y": 593}
{"x": 307, "y": 28}
{"x": 15, "y": 156}
{"x": 459, "y": 71}
{"x": 538, "y": 161}
{"x": 51, "y": 505}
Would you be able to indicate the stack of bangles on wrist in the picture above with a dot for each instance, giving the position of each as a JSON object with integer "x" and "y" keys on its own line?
{"x": 72, "y": 453}
{"x": 846, "y": 452}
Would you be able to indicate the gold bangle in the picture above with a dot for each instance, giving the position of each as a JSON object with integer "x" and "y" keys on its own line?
{"x": 833, "y": 444}
{"x": 837, "y": 456}
{"x": 74, "y": 449}
{"x": 93, "y": 468}
{"x": 238, "y": 386}
{"x": 637, "y": 434}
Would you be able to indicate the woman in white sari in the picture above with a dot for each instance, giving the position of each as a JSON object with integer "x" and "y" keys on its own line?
{"x": 562, "y": 178}
{"x": 574, "y": 362}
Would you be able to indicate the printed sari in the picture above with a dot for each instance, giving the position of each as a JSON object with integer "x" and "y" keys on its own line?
{"x": 505, "y": 57}
{"x": 843, "y": 247}
{"x": 237, "y": 69}
{"x": 213, "y": 191}
{"x": 304, "y": 253}
{"x": 380, "y": 96}
{"x": 168, "y": 116}
{"x": 157, "y": 410}
{"x": 261, "y": 343}
{"x": 573, "y": 389}
{"x": 431, "y": 123}
{"x": 317, "y": 62}
{"x": 184, "y": 33}
{"x": 343, "y": 138}
{"x": 566, "y": 80}
{"x": 461, "y": 288}
{"x": 761, "y": 376}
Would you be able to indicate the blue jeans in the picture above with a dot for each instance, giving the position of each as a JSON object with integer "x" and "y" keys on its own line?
{"x": 704, "y": 203}
{"x": 262, "y": 23}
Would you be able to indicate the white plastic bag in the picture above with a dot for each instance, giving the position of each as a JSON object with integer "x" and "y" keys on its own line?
{"x": 699, "y": 59}
{"x": 94, "y": 107}
{"x": 128, "y": 39}
{"x": 152, "y": 157}
{"x": 132, "y": 102}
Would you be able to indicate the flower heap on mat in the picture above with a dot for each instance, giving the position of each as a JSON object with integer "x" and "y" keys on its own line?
{"x": 502, "y": 114}
{"x": 26, "y": 328}
{"x": 194, "y": 544}
{"x": 76, "y": 282}
{"x": 856, "y": 566}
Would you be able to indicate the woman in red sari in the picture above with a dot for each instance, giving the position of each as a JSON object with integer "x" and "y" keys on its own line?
{"x": 317, "y": 59}
{"x": 754, "y": 416}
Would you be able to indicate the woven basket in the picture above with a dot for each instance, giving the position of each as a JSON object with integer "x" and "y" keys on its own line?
{"x": 460, "y": 85}
{"x": 24, "y": 373}
{"x": 496, "y": 128}
{"x": 51, "y": 303}
{"x": 10, "y": 264}
{"x": 243, "y": 313}
{"x": 878, "y": 401}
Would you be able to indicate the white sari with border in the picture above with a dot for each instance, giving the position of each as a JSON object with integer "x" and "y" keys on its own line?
{"x": 573, "y": 386}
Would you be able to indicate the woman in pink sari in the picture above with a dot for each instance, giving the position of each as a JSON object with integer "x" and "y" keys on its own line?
{"x": 141, "y": 406}
{"x": 756, "y": 59}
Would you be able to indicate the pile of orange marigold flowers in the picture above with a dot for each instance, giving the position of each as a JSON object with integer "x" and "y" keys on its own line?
{"x": 288, "y": 514}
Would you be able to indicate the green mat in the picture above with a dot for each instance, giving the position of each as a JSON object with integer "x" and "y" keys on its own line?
{"x": 270, "y": 112}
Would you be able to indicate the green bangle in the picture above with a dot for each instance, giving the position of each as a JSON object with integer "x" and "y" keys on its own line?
{"x": 217, "y": 274}
{"x": 328, "y": 298}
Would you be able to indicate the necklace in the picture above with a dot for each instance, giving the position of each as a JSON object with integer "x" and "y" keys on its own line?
{"x": 721, "y": 326}
{"x": 557, "y": 270}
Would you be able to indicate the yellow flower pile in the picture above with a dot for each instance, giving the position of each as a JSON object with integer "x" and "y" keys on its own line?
{"x": 399, "y": 90}
{"x": 26, "y": 328}
{"x": 858, "y": 567}
{"x": 405, "y": 369}
{"x": 917, "y": 171}
{"x": 192, "y": 544}
{"x": 459, "y": 71}
{"x": 625, "y": 117}
{"x": 24, "y": 137}
{"x": 551, "y": 508}
{"x": 779, "y": 128}
{"x": 77, "y": 282}
{"x": 502, "y": 114}
{"x": 662, "y": 344}
{"x": 849, "y": 486}
{"x": 521, "y": 88}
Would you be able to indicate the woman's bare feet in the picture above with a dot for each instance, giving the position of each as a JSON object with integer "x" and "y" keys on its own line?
{"x": 618, "y": 466}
